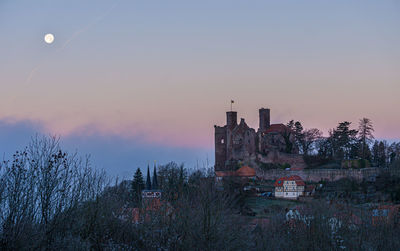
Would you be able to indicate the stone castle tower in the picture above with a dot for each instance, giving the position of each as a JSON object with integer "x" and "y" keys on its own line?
{"x": 238, "y": 143}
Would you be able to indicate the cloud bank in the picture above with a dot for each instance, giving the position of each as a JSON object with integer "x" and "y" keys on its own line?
{"x": 118, "y": 155}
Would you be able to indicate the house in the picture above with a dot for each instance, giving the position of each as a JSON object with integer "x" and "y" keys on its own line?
{"x": 289, "y": 187}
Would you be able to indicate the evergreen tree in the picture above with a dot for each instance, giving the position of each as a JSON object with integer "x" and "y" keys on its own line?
{"x": 393, "y": 152}
{"x": 148, "y": 180}
{"x": 375, "y": 153}
{"x": 365, "y": 130}
{"x": 155, "y": 182}
{"x": 298, "y": 135}
{"x": 344, "y": 141}
{"x": 287, "y": 134}
{"x": 137, "y": 185}
{"x": 382, "y": 154}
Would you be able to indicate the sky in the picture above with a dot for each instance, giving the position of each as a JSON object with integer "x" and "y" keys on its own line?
{"x": 130, "y": 82}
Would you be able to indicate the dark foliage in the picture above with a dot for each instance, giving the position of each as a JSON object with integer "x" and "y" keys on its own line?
{"x": 50, "y": 199}
{"x": 137, "y": 186}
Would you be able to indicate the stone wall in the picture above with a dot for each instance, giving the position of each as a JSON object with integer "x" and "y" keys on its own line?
{"x": 315, "y": 175}
{"x": 295, "y": 160}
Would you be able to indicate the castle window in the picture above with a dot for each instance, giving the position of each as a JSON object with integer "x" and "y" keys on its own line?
{"x": 222, "y": 141}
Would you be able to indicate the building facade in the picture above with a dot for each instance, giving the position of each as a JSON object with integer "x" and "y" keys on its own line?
{"x": 289, "y": 187}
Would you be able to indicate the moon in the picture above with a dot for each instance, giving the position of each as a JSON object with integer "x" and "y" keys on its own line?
{"x": 49, "y": 38}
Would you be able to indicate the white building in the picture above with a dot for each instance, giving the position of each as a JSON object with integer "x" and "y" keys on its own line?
{"x": 289, "y": 187}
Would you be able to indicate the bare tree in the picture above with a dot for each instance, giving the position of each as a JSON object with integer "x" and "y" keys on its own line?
{"x": 309, "y": 137}
{"x": 42, "y": 187}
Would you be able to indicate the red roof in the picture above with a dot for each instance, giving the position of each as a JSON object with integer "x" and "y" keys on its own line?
{"x": 298, "y": 179}
{"x": 244, "y": 171}
{"x": 279, "y": 182}
{"x": 279, "y": 128}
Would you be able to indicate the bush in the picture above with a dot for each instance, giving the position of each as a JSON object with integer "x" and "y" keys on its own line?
{"x": 355, "y": 163}
{"x": 269, "y": 166}
{"x": 316, "y": 160}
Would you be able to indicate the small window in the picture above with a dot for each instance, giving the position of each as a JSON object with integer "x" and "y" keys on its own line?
{"x": 222, "y": 141}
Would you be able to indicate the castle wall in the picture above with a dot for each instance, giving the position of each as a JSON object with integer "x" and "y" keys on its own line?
{"x": 295, "y": 160}
{"x": 315, "y": 175}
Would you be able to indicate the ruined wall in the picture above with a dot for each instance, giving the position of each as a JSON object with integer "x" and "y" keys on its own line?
{"x": 295, "y": 160}
{"x": 315, "y": 175}
{"x": 244, "y": 142}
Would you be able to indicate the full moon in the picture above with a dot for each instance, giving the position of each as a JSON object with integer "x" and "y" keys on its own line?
{"x": 49, "y": 38}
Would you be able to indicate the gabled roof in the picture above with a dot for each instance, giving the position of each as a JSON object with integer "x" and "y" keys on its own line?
{"x": 299, "y": 181}
{"x": 242, "y": 127}
{"x": 246, "y": 171}
{"x": 279, "y": 182}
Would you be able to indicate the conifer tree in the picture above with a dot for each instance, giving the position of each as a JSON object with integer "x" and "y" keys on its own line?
{"x": 137, "y": 185}
{"x": 375, "y": 153}
{"x": 148, "y": 180}
{"x": 365, "y": 130}
{"x": 344, "y": 141}
{"x": 155, "y": 182}
{"x": 382, "y": 154}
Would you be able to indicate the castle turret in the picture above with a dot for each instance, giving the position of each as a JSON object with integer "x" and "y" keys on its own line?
{"x": 231, "y": 119}
{"x": 264, "y": 119}
{"x": 220, "y": 147}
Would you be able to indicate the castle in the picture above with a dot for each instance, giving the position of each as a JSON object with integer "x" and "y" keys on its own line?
{"x": 238, "y": 144}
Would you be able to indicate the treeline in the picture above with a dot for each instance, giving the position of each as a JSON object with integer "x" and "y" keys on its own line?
{"x": 54, "y": 200}
{"x": 342, "y": 143}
